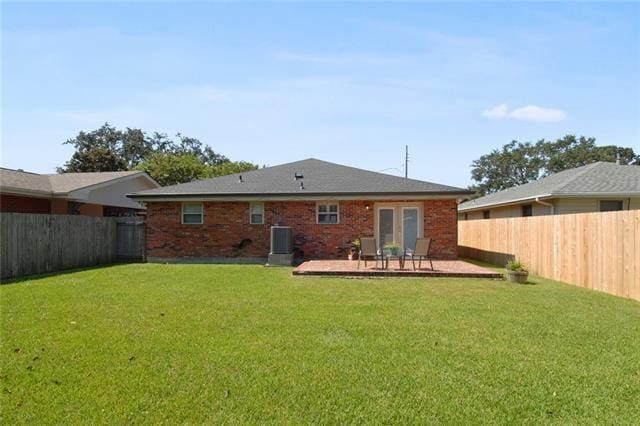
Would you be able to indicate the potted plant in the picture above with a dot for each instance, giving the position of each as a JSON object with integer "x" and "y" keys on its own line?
{"x": 392, "y": 248}
{"x": 516, "y": 272}
{"x": 354, "y": 251}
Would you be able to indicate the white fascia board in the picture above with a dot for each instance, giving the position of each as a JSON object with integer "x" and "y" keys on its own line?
{"x": 263, "y": 197}
{"x": 505, "y": 203}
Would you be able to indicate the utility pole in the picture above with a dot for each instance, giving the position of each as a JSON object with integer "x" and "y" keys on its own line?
{"x": 406, "y": 161}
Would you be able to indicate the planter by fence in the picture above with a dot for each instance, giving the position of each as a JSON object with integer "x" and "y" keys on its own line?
{"x": 41, "y": 243}
{"x": 599, "y": 251}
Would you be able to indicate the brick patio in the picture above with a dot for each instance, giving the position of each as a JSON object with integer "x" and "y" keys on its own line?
{"x": 441, "y": 268}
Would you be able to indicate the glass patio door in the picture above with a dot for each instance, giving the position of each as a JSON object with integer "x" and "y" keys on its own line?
{"x": 386, "y": 225}
{"x": 409, "y": 227}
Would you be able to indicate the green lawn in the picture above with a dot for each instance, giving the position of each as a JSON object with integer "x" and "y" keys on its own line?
{"x": 248, "y": 344}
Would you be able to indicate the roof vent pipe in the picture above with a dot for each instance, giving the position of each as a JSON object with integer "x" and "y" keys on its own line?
{"x": 240, "y": 178}
{"x": 301, "y": 185}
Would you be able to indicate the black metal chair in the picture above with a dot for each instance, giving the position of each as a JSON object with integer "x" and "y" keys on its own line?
{"x": 423, "y": 247}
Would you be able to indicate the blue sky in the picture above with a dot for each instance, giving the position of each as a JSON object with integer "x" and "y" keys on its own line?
{"x": 351, "y": 83}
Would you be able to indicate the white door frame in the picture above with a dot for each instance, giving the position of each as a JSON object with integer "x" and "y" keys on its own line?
{"x": 377, "y": 223}
{"x": 419, "y": 218}
{"x": 398, "y": 209}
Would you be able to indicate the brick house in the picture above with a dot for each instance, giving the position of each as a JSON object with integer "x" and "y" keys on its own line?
{"x": 326, "y": 204}
{"x": 89, "y": 194}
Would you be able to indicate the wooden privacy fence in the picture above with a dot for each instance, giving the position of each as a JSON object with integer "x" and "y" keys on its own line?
{"x": 130, "y": 239}
{"x": 40, "y": 243}
{"x": 599, "y": 251}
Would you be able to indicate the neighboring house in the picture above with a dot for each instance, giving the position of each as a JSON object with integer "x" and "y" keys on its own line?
{"x": 326, "y": 204}
{"x": 595, "y": 187}
{"x": 91, "y": 194}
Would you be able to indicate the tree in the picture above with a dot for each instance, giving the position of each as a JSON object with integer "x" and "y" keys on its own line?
{"x": 203, "y": 152}
{"x": 167, "y": 160}
{"x": 231, "y": 167}
{"x": 570, "y": 152}
{"x": 96, "y": 151}
{"x": 135, "y": 147}
{"x": 171, "y": 169}
{"x": 517, "y": 163}
{"x": 514, "y": 164}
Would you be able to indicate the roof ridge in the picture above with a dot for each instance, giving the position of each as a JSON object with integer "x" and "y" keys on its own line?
{"x": 21, "y": 171}
{"x": 89, "y": 173}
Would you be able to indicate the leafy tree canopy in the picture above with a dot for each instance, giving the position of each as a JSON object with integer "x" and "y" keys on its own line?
{"x": 517, "y": 163}
{"x": 166, "y": 160}
{"x": 174, "y": 168}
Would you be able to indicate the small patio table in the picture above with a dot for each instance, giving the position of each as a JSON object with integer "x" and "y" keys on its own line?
{"x": 387, "y": 255}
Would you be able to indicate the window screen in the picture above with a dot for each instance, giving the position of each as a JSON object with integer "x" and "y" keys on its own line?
{"x": 256, "y": 213}
{"x": 327, "y": 213}
{"x": 192, "y": 213}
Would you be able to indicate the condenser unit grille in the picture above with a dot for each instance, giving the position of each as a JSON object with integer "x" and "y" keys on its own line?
{"x": 281, "y": 240}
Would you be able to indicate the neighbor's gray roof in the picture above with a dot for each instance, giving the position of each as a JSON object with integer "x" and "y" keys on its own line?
{"x": 67, "y": 182}
{"x": 24, "y": 181}
{"x": 53, "y": 184}
{"x": 596, "y": 179}
{"x": 320, "y": 178}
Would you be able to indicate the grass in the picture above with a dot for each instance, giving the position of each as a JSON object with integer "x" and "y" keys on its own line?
{"x": 248, "y": 344}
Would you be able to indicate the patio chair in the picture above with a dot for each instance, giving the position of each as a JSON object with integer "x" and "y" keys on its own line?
{"x": 369, "y": 248}
{"x": 423, "y": 246}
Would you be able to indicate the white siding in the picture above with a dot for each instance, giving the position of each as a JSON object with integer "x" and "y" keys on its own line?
{"x": 561, "y": 206}
{"x": 586, "y": 205}
{"x": 115, "y": 194}
{"x": 509, "y": 211}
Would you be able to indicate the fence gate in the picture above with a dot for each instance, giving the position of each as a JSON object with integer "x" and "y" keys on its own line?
{"x": 130, "y": 239}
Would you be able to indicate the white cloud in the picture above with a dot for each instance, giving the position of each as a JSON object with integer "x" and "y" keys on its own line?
{"x": 499, "y": 111}
{"x": 526, "y": 113}
{"x": 536, "y": 113}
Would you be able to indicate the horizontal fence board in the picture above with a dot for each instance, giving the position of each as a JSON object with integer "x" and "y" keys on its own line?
{"x": 40, "y": 243}
{"x": 598, "y": 251}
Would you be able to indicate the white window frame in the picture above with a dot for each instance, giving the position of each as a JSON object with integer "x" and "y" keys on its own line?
{"x": 182, "y": 213}
{"x": 251, "y": 205}
{"x": 328, "y": 203}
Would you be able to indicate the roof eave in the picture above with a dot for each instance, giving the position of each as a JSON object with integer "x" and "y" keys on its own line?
{"x": 292, "y": 196}
{"x": 109, "y": 182}
{"x": 596, "y": 194}
{"x": 25, "y": 192}
{"x": 504, "y": 203}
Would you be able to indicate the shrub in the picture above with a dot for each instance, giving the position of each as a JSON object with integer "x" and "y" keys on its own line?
{"x": 515, "y": 265}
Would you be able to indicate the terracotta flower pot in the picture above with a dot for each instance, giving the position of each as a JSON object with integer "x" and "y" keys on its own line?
{"x": 517, "y": 276}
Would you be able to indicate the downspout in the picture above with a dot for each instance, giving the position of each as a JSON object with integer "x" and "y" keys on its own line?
{"x": 544, "y": 203}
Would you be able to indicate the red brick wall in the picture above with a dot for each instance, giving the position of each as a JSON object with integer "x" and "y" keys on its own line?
{"x": 18, "y": 204}
{"x": 441, "y": 224}
{"x": 226, "y": 224}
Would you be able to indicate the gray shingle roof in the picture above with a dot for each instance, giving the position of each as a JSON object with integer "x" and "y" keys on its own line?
{"x": 67, "y": 182}
{"x": 24, "y": 181}
{"x": 320, "y": 178}
{"x": 54, "y": 184}
{"x": 596, "y": 179}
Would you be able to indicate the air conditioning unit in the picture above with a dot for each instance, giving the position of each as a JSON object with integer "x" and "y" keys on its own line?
{"x": 281, "y": 240}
